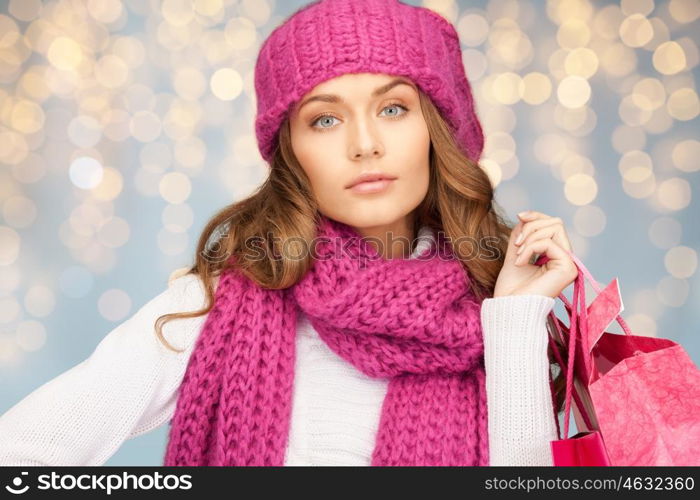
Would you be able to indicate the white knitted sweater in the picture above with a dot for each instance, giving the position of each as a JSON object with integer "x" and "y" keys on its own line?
{"x": 129, "y": 385}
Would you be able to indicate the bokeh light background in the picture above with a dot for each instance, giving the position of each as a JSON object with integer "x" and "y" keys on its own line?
{"x": 125, "y": 125}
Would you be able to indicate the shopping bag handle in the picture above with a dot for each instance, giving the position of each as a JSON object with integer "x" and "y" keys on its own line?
{"x": 562, "y": 365}
{"x": 579, "y": 292}
{"x": 577, "y": 309}
{"x": 586, "y": 275}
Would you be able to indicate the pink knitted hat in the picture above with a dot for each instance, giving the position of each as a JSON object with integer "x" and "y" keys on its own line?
{"x": 329, "y": 38}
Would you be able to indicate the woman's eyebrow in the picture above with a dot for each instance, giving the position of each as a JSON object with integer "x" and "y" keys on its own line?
{"x": 377, "y": 92}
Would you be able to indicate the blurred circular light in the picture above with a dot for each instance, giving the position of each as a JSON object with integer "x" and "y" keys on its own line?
{"x": 636, "y": 31}
{"x": 85, "y": 172}
{"x": 672, "y": 291}
{"x": 64, "y": 53}
{"x": 226, "y": 84}
{"x": 581, "y": 62}
{"x": 111, "y": 185}
{"x": 30, "y": 335}
{"x": 507, "y": 88}
{"x": 84, "y": 131}
{"x": 39, "y": 301}
{"x": 114, "y": 233}
{"x": 665, "y": 232}
{"x": 580, "y": 189}
{"x": 589, "y": 220}
{"x": 686, "y": 155}
{"x": 674, "y": 193}
{"x": 114, "y": 304}
{"x": 653, "y": 92}
{"x": 9, "y": 245}
{"x": 669, "y": 58}
{"x": 175, "y": 187}
{"x": 683, "y": 104}
{"x": 473, "y": 29}
{"x": 573, "y": 91}
{"x": 27, "y": 116}
{"x": 684, "y": 11}
{"x": 681, "y": 262}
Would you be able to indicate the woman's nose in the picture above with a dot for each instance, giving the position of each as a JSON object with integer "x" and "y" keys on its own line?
{"x": 365, "y": 141}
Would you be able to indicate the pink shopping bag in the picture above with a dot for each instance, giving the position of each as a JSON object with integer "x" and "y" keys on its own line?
{"x": 637, "y": 397}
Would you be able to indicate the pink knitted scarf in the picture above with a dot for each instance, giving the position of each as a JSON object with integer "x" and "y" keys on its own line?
{"x": 413, "y": 321}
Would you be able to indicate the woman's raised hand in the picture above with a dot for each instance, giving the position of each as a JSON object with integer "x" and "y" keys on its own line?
{"x": 536, "y": 233}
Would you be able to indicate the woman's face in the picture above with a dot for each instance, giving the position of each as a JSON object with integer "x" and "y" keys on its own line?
{"x": 358, "y": 123}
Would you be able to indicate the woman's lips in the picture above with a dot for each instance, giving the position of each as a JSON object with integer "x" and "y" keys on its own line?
{"x": 372, "y": 186}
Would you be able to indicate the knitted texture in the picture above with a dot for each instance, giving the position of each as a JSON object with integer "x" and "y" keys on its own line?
{"x": 329, "y": 38}
{"x": 414, "y": 321}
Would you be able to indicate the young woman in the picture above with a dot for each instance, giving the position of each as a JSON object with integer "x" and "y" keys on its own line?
{"x": 367, "y": 305}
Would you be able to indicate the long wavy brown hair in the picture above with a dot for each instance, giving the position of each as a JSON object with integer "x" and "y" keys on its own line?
{"x": 459, "y": 202}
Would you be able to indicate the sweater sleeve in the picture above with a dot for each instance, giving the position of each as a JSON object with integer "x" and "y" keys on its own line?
{"x": 520, "y": 411}
{"x": 125, "y": 388}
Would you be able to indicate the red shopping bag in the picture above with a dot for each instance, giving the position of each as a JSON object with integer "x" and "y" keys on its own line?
{"x": 640, "y": 394}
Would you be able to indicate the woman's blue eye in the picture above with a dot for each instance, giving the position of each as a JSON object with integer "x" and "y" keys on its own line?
{"x": 330, "y": 117}
{"x": 395, "y": 106}
{"x": 325, "y": 117}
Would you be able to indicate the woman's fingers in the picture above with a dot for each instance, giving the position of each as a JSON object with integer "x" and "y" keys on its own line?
{"x": 544, "y": 233}
{"x": 557, "y": 255}
{"x": 555, "y": 232}
{"x": 560, "y": 269}
{"x": 512, "y": 247}
{"x": 547, "y": 227}
{"x": 531, "y": 226}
